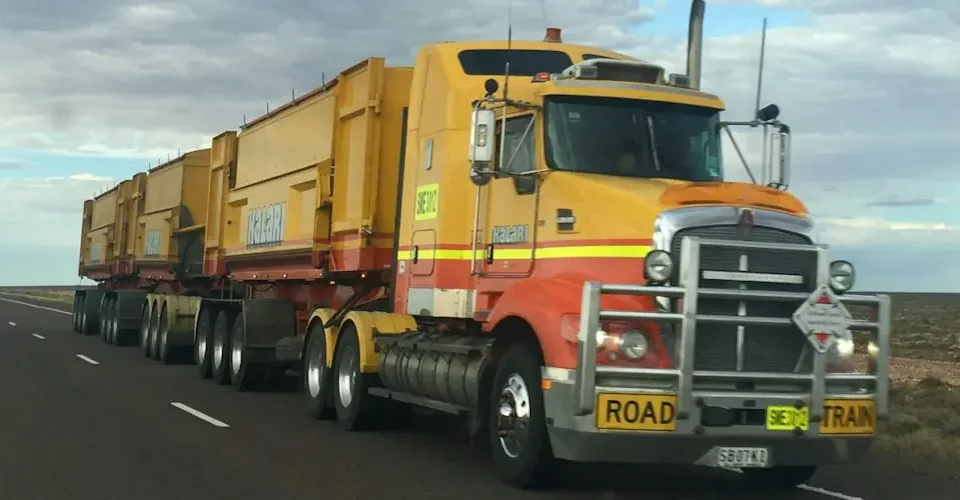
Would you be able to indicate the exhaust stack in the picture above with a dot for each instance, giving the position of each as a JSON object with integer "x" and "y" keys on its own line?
{"x": 695, "y": 43}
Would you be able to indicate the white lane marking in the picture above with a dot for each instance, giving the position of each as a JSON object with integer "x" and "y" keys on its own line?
{"x": 61, "y": 311}
{"x": 37, "y": 335}
{"x": 828, "y": 493}
{"x": 13, "y": 324}
{"x": 199, "y": 414}
{"x": 806, "y": 487}
{"x": 88, "y": 360}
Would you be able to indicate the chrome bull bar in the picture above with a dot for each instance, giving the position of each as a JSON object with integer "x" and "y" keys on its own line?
{"x": 689, "y": 291}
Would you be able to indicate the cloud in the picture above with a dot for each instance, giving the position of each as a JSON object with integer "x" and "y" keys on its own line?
{"x": 46, "y": 211}
{"x": 188, "y": 70}
{"x": 14, "y": 164}
{"x": 911, "y": 202}
{"x": 863, "y": 85}
{"x": 868, "y": 231}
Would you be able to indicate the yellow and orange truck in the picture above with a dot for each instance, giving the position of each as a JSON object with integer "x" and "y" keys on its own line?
{"x": 536, "y": 235}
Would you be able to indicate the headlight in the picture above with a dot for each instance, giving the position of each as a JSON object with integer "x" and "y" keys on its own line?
{"x": 633, "y": 344}
{"x": 842, "y": 275}
{"x": 657, "y": 266}
{"x": 843, "y": 347}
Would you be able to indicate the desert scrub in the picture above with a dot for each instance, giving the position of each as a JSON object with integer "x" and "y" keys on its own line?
{"x": 924, "y": 420}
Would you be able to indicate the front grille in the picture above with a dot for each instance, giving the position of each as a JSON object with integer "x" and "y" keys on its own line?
{"x": 775, "y": 349}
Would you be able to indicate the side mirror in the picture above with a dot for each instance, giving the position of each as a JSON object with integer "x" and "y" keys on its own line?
{"x": 483, "y": 124}
{"x": 780, "y": 157}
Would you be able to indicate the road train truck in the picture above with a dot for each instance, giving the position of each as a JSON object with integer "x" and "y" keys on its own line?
{"x": 537, "y": 236}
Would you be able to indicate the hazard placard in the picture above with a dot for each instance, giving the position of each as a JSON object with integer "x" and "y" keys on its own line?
{"x": 822, "y": 318}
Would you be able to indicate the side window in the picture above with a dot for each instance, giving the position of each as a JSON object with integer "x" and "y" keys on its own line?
{"x": 519, "y": 145}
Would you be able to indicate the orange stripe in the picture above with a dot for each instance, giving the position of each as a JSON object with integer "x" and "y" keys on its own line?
{"x": 542, "y": 244}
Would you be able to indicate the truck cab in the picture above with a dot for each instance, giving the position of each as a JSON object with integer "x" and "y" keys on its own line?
{"x": 644, "y": 308}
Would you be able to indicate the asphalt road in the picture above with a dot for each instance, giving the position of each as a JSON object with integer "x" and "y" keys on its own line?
{"x": 85, "y": 420}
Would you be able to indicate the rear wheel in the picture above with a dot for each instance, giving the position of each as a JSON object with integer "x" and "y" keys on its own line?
{"x": 779, "y": 477}
{"x": 204, "y": 337}
{"x": 105, "y": 312}
{"x": 120, "y": 337}
{"x": 155, "y": 319}
{"x": 356, "y": 408}
{"x": 517, "y": 425}
{"x": 146, "y": 334}
{"x": 244, "y": 373}
{"x": 89, "y": 324}
{"x": 164, "y": 352}
{"x": 316, "y": 375}
{"x": 113, "y": 320}
{"x": 75, "y": 316}
{"x": 220, "y": 362}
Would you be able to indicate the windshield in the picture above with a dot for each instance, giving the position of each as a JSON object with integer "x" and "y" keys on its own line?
{"x": 633, "y": 138}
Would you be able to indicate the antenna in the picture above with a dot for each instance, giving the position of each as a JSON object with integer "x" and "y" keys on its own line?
{"x": 763, "y": 48}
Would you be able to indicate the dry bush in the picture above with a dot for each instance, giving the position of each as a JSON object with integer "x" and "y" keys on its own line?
{"x": 924, "y": 420}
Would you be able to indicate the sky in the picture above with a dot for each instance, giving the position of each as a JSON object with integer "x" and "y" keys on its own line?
{"x": 92, "y": 92}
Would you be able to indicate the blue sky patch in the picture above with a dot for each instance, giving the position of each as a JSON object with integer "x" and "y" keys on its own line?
{"x": 721, "y": 19}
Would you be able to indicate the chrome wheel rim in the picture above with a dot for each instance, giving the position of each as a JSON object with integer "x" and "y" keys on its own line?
{"x": 217, "y": 351}
{"x": 346, "y": 376}
{"x": 514, "y": 415}
{"x": 113, "y": 326}
{"x": 236, "y": 354}
{"x": 154, "y": 330}
{"x": 314, "y": 370}
{"x": 201, "y": 347}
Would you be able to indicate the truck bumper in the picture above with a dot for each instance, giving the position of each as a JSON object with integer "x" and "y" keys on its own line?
{"x": 688, "y": 414}
{"x": 576, "y": 438}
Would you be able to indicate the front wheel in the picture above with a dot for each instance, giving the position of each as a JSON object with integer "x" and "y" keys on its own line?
{"x": 517, "y": 425}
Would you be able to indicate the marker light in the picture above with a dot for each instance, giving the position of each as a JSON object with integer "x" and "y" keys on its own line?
{"x": 543, "y": 76}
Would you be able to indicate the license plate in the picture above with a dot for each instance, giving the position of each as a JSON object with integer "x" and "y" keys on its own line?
{"x": 849, "y": 416}
{"x": 742, "y": 457}
{"x": 787, "y": 418}
{"x": 637, "y": 412}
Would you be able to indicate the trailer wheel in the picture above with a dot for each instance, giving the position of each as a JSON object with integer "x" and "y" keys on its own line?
{"x": 89, "y": 326}
{"x": 163, "y": 351}
{"x": 81, "y": 316}
{"x": 517, "y": 426}
{"x": 155, "y": 319}
{"x": 780, "y": 477}
{"x": 221, "y": 339}
{"x": 119, "y": 337}
{"x": 75, "y": 313}
{"x": 145, "y": 328}
{"x": 113, "y": 320}
{"x": 204, "y": 337}
{"x": 316, "y": 375}
{"x": 356, "y": 409}
{"x": 244, "y": 371}
{"x": 105, "y": 311}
